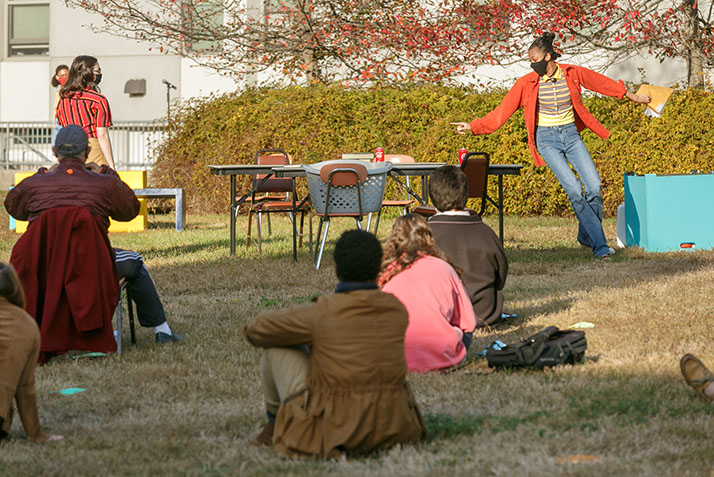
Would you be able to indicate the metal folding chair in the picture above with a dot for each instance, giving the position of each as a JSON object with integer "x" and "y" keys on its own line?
{"x": 264, "y": 200}
{"x": 124, "y": 291}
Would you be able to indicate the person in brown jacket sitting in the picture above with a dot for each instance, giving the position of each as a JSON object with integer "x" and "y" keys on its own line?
{"x": 334, "y": 372}
{"x": 19, "y": 348}
{"x": 469, "y": 243}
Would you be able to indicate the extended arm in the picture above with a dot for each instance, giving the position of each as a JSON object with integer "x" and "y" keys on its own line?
{"x": 602, "y": 84}
{"x": 27, "y": 401}
{"x": 17, "y": 201}
{"x": 496, "y": 118}
{"x": 105, "y": 145}
{"x": 464, "y": 316}
{"x": 286, "y": 327}
{"x": 124, "y": 204}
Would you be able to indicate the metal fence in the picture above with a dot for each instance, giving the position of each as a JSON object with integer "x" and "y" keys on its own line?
{"x": 27, "y": 145}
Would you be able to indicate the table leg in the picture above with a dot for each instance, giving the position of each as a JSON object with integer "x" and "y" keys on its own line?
{"x": 180, "y": 212}
{"x": 425, "y": 189}
{"x": 294, "y": 224}
{"x": 500, "y": 207}
{"x": 233, "y": 215}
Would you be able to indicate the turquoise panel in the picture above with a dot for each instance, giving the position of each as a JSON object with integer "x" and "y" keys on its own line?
{"x": 663, "y": 212}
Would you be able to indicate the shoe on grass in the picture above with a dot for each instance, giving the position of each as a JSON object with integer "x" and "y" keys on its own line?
{"x": 167, "y": 338}
{"x": 263, "y": 437}
{"x": 696, "y": 374}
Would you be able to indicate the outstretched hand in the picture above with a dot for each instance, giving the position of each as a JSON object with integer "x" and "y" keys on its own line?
{"x": 461, "y": 128}
{"x": 639, "y": 98}
{"x": 92, "y": 166}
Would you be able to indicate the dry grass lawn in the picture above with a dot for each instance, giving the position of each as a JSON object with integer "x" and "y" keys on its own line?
{"x": 186, "y": 409}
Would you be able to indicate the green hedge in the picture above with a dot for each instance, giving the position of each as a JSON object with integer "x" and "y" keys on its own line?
{"x": 319, "y": 123}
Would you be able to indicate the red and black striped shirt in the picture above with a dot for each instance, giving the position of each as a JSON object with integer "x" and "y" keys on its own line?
{"x": 87, "y": 109}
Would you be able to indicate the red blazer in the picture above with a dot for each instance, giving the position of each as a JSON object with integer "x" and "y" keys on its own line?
{"x": 66, "y": 265}
{"x": 525, "y": 93}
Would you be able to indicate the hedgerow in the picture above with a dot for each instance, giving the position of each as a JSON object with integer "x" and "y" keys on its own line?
{"x": 319, "y": 123}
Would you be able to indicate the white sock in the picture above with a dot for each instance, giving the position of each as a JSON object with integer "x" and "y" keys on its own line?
{"x": 163, "y": 328}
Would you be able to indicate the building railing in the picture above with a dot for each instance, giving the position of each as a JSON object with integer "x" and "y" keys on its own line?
{"x": 27, "y": 145}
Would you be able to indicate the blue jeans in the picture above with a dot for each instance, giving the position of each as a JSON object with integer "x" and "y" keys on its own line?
{"x": 55, "y": 131}
{"x": 560, "y": 147}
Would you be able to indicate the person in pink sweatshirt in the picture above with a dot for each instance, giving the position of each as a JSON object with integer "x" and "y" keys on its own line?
{"x": 418, "y": 273}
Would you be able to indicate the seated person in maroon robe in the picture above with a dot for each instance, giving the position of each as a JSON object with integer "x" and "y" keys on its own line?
{"x": 99, "y": 190}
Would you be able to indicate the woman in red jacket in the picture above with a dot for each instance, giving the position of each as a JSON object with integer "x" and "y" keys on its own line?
{"x": 555, "y": 115}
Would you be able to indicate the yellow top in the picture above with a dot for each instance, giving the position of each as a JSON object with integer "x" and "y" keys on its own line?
{"x": 554, "y": 105}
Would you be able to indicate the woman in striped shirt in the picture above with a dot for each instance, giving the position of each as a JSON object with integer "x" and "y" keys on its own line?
{"x": 554, "y": 114}
{"x": 81, "y": 104}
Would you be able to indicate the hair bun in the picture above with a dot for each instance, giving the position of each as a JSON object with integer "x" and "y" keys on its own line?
{"x": 548, "y": 36}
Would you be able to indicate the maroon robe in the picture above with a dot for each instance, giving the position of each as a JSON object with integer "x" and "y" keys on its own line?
{"x": 66, "y": 265}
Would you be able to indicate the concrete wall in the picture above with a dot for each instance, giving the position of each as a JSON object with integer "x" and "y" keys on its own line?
{"x": 197, "y": 81}
{"x": 24, "y": 93}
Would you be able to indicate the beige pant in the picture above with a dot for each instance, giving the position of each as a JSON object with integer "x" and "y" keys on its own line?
{"x": 284, "y": 373}
{"x": 95, "y": 154}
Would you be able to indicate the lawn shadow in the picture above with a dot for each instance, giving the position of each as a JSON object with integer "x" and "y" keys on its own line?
{"x": 521, "y": 254}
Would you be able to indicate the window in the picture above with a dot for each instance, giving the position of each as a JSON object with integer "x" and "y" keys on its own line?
{"x": 29, "y": 29}
{"x": 207, "y": 18}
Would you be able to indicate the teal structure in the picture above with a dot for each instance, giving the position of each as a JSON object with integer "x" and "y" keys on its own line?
{"x": 664, "y": 213}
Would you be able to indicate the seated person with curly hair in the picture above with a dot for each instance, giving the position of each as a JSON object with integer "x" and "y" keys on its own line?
{"x": 334, "y": 372}
{"x": 441, "y": 318}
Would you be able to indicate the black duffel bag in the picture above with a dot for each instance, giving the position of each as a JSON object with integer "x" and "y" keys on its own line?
{"x": 548, "y": 347}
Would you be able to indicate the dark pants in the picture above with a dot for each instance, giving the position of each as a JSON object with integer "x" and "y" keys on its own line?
{"x": 141, "y": 287}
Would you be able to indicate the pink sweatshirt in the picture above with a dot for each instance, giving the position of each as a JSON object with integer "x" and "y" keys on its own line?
{"x": 440, "y": 312}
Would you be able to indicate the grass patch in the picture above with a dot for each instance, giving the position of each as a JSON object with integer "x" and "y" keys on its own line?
{"x": 188, "y": 409}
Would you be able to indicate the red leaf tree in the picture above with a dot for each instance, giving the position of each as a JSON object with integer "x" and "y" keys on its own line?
{"x": 352, "y": 41}
{"x": 606, "y": 30}
{"x": 387, "y": 41}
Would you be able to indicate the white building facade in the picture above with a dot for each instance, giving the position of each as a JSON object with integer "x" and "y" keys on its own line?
{"x": 42, "y": 34}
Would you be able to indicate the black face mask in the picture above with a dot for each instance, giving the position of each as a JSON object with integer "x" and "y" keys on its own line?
{"x": 98, "y": 78}
{"x": 540, "y": 67}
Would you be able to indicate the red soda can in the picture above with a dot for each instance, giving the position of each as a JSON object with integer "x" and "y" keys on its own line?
{"x": 379, "y": 154}
{"x": 462, "y": 154}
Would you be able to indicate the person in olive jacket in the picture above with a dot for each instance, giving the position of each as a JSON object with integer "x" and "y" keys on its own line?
{"x": 334, "y": 372}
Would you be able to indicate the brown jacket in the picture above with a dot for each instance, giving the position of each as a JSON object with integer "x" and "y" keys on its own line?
{"x": 357, "y": 399}
{"x": 19, "y": 348}
{"x": 103, "y": 194}
{"x": 476, "y": 249}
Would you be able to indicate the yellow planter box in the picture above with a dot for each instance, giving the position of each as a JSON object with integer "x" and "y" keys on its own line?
{"x": 134, "y": 179}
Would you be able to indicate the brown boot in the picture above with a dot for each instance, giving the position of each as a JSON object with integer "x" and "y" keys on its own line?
{"x": 263, "y": 437}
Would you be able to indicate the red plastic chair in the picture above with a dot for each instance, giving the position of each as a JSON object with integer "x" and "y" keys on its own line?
{"x": 264, "y": 199}
{"x": 404, "y": 204}
{"x": 475, "y": 166}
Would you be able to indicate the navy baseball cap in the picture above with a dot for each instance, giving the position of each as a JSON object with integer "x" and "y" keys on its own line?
{"x": 71, "y": 141}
